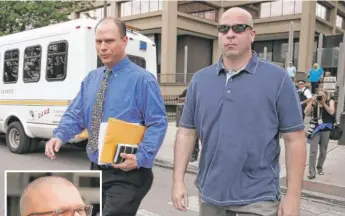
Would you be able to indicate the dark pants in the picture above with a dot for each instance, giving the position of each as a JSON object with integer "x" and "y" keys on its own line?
{"x": 123, "y": 191}
{"x": 303, "y": 108}
{"x": 314, "y": 86}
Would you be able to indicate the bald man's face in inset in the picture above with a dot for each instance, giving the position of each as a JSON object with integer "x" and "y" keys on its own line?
{"x": 51, "y": 197}
{"x": 232, "y": 44}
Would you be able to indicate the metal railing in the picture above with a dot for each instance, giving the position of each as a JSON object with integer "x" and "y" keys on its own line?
{"x": 176, "y": 78}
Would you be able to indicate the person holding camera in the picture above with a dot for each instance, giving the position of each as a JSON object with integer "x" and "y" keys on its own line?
{"x": 322, "y": 110}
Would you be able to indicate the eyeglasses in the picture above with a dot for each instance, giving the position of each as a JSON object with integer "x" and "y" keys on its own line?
{"x": 82, "y": 211}
{"x": 238, "y": 28}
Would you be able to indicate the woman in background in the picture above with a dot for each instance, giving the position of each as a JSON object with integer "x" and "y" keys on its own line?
{"x": 322, "y": 110}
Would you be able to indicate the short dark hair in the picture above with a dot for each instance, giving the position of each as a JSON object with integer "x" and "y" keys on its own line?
{"x": 121, "y": 26}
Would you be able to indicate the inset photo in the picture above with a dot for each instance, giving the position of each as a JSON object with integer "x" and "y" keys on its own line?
{"x": 46, "y": 193}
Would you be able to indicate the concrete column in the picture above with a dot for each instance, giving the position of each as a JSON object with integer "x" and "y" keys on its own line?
{"x": 216, "y": 51}
{"x": 307, "y": 36}
{"x": 169, "y": 42}
{"x": 220, "y": 13}
{"x": 333, "y": 17}
{"x": 114, "y": 9}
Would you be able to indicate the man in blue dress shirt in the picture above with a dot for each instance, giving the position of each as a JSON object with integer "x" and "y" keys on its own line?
{"x": 124, "y": 91}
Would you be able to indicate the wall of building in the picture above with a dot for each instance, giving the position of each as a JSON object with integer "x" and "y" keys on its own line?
{"x": 271, "y": 18}
{"x": 199, "y": 55}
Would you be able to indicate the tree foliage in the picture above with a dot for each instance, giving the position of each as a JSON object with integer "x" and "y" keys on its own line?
{"x": 17, "y": 16}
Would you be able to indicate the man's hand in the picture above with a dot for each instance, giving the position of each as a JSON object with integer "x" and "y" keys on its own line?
{"x": 290, "y": 206}
{"x": 179, "y": 195}
{"x": 129, "y": 164}
{"x": 52, "y": 146}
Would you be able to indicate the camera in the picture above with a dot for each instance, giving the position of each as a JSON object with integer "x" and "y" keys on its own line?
{"x": 319, "y": 98}
{"x": 311, "y": 128}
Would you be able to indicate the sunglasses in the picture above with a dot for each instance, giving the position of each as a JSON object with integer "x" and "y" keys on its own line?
{"x": 238, "y": 28}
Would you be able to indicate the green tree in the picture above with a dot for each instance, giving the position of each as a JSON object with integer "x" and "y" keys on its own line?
{"x": 17, "y": 16}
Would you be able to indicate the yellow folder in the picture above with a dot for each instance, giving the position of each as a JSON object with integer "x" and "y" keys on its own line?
{"x": 83, "y": 135}
{"x": 119, "y": 131}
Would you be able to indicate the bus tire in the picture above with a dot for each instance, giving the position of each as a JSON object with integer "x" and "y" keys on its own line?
{"x": 34, "y": 145}
{"x": 16, "y": 139}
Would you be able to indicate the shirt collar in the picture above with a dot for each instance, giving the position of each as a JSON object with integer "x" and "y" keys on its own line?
{"x": 123, "y": 63}
{"x": 250, "y": 67}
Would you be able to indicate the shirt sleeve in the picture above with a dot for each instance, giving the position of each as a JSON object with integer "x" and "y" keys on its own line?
{"x": 307, "y": 94}
{"x": 187, "y": 116}
{"x": 72, "y": 122}
{"x": 155, "y": 119}
{"x": 289, "y": 108}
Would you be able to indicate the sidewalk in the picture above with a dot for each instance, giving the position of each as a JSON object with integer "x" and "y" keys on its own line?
{"x": 330, "y": 187}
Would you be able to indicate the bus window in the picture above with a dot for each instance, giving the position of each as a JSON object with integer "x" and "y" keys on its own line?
{"x": 32, "y": 64}
{"x": 11, "y": 64}
{"x": 99, "y": 62}
{"x": 57, "y": 61}
{"x": 138, "y": 60}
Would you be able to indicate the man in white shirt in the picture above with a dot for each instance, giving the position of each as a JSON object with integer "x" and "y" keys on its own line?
{"x": 291, "y": 70}
{"x": 304, "y": 94}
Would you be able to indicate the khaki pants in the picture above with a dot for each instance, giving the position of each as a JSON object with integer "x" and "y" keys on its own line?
{"x": 263, "y": 208}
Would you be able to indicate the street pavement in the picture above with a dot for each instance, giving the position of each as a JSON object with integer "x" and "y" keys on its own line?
{"x": 158, "y": 200}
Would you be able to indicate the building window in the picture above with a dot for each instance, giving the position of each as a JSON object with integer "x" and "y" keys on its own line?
{"x": 97, "y": 13}
{"x": 89, "y": 182}
{"x": 321, "y": 11}
{"x": 340, "y": 21}
{"x": 11, "y": 64}
{"x": 136, "y": 7}
{"x": 57, "y": 61}
{"x": 280, "y": 8}
{"x": 198, "y": 9}
{"x": 209, "y": 15}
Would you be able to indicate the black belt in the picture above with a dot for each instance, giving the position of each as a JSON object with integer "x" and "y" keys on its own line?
{"x": 103, "y": 167}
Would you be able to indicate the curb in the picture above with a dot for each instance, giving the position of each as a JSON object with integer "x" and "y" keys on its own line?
{"x": 333, "y": 200}
{"x": 329, "y": 199}
{"x": 191, "y": 169}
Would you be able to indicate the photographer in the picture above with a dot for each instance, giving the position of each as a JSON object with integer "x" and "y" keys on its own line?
{"x": 322, "y": 110}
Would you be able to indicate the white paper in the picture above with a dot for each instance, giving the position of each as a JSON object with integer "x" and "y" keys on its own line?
{"x": 102, "y": 131}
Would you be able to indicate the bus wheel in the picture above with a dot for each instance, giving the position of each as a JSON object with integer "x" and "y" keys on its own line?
{"x": 34, "y": 145}
{"x": 16, "y": 139}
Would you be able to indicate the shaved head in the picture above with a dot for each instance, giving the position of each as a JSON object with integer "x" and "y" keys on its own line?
{"x": 48, "y": 194}
{"x": 236, "y": 34}
{"x": 245, "y": 15}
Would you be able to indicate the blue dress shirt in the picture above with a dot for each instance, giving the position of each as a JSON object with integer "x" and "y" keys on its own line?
{"x": 132, "y": 95}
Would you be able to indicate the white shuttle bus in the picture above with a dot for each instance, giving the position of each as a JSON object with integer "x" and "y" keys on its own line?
{"x": 41, "y": 71}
